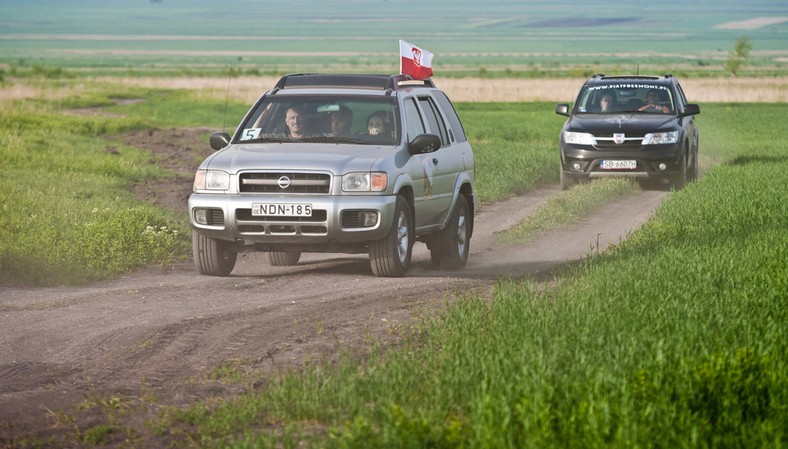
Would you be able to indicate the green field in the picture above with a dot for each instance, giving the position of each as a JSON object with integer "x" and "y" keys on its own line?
{"x": 688, "y": 348}
{"x": 677, "y": 337}
{"x": 498, "y": 38}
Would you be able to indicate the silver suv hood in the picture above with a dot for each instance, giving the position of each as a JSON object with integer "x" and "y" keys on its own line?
{"x": 336, "y": 158}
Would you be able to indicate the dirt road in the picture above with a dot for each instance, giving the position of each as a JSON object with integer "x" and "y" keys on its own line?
{"x": 163, "y": 332}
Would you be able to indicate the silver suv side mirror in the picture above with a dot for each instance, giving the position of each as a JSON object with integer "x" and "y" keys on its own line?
{"x": 424, "y": 143}
{"x": 219, "y": 140}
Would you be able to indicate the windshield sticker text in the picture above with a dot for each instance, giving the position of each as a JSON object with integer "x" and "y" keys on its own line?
{"x": 627, "y": 86}
{"x": 250, "y": 133}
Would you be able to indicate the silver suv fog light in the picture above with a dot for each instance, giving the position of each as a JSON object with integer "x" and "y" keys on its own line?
{"x": 209, "y": 217}
{"x": 369, "y": 219}
{"x": 201, "y": 216}
{"x": 576, "y": 166}
{"x": 360, "y": 218}
{"x": 662, "y": 166}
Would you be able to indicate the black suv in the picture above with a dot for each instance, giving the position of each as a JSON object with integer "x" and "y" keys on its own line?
{"x": 636, "y": 126}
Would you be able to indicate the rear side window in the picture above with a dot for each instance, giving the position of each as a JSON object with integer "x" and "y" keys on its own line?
{"x": 682, "y": 98}
{"x": 451, "y": 115}
{"x": 434, "y": 119}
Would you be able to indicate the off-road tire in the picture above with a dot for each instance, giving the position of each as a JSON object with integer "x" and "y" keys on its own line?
{"x": 390, "y": 256}
{"x": 679, "y": 180}
{"x": 694, "y": 171}
{"x": 566, "y": 182}
{"x": 212, "y": 257}
{"x": 283, "y": 258}
{"x": 450, "y": 247}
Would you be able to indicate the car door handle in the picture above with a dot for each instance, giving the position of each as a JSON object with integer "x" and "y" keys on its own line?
{"x": 435, "y": 161}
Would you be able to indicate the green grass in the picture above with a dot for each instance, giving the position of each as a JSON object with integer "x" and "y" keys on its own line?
{"x": 675, "y": 338}
{"x": 516, "y": 145}
{"x": 68, "y": 214}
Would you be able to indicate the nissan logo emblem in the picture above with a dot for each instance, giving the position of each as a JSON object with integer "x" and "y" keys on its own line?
{"x": 284, "y": 182}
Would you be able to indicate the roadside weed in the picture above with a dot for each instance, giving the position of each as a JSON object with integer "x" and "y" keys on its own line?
{"x": 68, "y": 216}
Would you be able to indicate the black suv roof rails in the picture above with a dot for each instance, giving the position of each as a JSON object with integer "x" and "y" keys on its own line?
{"x": 624, "y": 77}
{"x": 381, "y": 82}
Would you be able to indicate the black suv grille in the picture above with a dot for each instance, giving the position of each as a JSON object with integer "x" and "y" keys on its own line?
{"x": 605, "y": 140}
{"x": 279, "y": 182}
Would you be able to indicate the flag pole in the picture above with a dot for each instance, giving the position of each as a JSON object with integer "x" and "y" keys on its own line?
{"x": 400, "y": 56}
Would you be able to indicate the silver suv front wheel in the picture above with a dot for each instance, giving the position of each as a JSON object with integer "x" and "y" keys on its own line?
{"x": 211, "y": 256}
{"x": 390, "y": 256}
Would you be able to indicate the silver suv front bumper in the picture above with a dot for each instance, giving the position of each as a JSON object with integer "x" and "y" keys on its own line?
{"x": 334, "y": 218}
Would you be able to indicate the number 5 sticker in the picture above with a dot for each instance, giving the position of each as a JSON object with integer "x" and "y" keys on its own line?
{"x": 250, "y": 133}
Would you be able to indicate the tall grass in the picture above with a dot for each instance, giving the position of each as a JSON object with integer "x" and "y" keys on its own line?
{"x": 676, "y": 338}
{"x": 68, "y": 213}
{"x": 516, "y": 145}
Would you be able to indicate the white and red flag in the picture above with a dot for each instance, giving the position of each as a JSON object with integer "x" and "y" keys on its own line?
{"x": 414, "y": 61}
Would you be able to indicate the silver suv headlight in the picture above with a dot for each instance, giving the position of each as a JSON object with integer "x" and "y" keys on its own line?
{"x": 211, "y": 180}
{"x": 365, "y": 182}
{"x": 579, "y": 138}
{"x": 661, "y": 138}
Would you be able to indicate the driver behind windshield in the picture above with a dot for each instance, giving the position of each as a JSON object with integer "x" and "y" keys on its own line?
{"x": 653, "y": 103}
{"x": 296, "y": 126}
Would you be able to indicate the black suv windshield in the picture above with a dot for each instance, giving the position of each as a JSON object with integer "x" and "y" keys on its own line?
{"x": 625, "y": 97}
{"x": 356, "y": 119}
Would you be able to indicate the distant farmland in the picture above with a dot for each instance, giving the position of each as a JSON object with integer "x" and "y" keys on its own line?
{"x": 499, "y": 39}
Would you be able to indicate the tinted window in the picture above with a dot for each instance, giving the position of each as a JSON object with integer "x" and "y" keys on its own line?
{"x": 624, "y": 96}
{"x": 681, "y": 95}
{"x": 451, "y": 115}
{"x": 434, "y": 119}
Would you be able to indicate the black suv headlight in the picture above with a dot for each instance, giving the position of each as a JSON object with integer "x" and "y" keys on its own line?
{"x": 579, "y": 138}
{"x": 661, "y": 138}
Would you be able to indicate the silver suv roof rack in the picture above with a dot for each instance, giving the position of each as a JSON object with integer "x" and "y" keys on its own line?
{"x": 374, "y": 82}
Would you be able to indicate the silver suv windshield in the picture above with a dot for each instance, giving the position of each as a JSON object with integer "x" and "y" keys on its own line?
{"x": 363, "y": 120}
{"x": 625, "y": 97}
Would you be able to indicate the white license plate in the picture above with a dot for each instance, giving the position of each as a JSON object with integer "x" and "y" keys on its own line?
{"x": 282, "y": 209}
{"x": 618, "y": 165}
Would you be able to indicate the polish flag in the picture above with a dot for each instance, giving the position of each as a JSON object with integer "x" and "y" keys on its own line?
{"x": 414, "y": 61}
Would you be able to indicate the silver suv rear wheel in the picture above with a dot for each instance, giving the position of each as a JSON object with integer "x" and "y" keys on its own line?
{"x": 450, "y": 247}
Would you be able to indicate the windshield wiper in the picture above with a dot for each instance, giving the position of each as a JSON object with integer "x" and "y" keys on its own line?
{"x": 331, "y": 139}
{"x": 269, "y": 139}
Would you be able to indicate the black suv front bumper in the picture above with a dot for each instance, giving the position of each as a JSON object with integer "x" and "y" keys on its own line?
{"x": 581, "y": 162}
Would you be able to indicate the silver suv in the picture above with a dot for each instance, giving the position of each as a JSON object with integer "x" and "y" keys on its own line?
{"x": 338, "y": 164}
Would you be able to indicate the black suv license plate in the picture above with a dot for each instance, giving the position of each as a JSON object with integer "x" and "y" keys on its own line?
{"x": 618, "y": 165}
